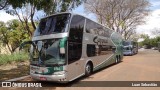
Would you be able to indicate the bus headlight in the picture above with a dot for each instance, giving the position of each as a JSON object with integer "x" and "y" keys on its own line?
{"x": 59, "y": 73}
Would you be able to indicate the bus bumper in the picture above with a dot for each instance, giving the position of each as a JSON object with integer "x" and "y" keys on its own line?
{"x": 127, "y": 53}
{"x": 54, "y": 78}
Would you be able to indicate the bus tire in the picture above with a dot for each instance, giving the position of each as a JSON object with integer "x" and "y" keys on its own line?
{"x": 116, "y": 61}
{"x": 131, "y": 54}
{"x": 119, "y": 60}
{"x": 88, "y": 69}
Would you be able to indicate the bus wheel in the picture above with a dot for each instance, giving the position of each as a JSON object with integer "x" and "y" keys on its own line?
{"x": 88, "y": 69}
{"x": 119, "y": 58}
{"x": 116, "y": 60}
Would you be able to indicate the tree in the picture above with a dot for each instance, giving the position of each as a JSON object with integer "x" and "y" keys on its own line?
{"x": 153, "y": 42}
{"x": 144, "y": 36}
{"x": 26, "y": 9}
{"x": 14, "y": 32}
{"x": 3, "y": 4}
{"x": 4, "y": 35}
{"x": 133, "y": 36}
{"x": 156, "y": 31}
{"x": 11, "y": 36}
{"x": 122, "y": 16}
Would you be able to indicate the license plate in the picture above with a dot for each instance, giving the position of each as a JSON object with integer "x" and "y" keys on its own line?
{"x": 43, "y": 78}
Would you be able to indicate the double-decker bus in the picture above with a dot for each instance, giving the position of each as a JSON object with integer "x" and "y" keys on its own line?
{"x": 130, "y": 47}
{"x": 66, "y": 46}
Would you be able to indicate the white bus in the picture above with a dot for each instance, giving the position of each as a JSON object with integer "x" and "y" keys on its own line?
{"x": 66, "y": 46}
{"x": 130, "y": 47}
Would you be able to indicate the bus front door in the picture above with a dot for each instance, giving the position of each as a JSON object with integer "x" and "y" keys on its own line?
{"x": 75, "y": 65}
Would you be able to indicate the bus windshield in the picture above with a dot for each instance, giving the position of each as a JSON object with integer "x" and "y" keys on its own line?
{"x": 53, "y": 24}
{"x": 126, "y": 48}
{"x": 46, "y": 52}
{"x": 125, "y": 43}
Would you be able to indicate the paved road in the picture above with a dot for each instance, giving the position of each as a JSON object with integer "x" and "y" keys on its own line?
{"x": 145, "y": 66}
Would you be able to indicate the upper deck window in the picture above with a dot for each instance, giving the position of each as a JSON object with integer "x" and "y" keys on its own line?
{"x": 126, "y": 43}
{"x": 53, "y": 24}
{"x": 97, "y": 29}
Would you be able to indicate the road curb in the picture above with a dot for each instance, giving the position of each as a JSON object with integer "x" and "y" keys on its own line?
{"x": 19, "y": 78}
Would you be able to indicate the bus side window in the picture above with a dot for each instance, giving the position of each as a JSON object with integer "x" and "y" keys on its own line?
{"x": 91, "y": 27}
{"x": 75, "y": 38}
{"x": 97, "y": 50}
{"x": 91, "y": 50}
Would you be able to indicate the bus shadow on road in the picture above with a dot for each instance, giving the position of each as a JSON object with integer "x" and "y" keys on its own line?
{"x": 107, "y": 67}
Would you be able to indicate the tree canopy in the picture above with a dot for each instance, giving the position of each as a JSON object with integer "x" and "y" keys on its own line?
{"x": 12, "y": 34}
{"x": 151, "y": 42}
{"x": 15, "y": 32}
{"x": 122, "y": 16}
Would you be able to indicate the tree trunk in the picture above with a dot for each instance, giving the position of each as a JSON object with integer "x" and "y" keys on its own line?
{"x": 32, "y": 14}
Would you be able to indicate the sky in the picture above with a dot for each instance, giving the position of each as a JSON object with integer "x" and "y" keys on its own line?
{"x": 5, "y": 17}
{"x": 81, "y": 10}
{"x": 152, "y": 21}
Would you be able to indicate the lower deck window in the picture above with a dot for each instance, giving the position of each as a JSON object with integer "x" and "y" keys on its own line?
{"x": 97, "y": 50}
{"x": 91, "y": 49}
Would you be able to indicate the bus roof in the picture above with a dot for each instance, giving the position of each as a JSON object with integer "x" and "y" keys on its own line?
{"x": 129, "y": 41}
{"x": 79, "y": 15}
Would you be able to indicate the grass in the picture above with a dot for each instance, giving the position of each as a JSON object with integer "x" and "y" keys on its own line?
{"x": 15, "y": 57}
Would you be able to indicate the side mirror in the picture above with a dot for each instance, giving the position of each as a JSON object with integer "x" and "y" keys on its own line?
{"x": 24, "y": 43}
{"x": 62, "y": 45}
